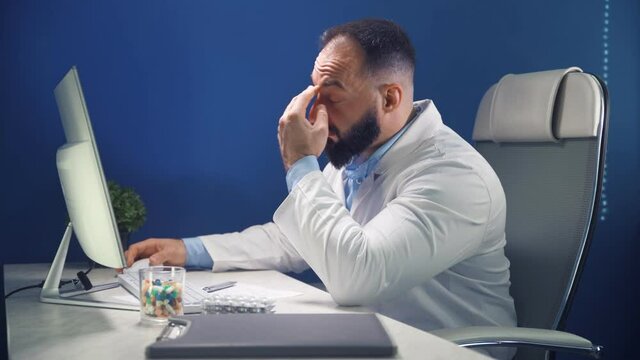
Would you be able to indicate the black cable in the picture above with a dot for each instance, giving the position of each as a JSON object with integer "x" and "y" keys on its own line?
{"x": 61, "y": 284}
{"x": 24, "y": 288}
{"x": 91, "y": 265}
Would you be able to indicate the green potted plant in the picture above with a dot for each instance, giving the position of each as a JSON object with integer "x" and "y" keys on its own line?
{"x": 128, "y": 209}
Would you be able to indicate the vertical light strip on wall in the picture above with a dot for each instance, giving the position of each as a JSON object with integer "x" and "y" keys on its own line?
{"x": 604, "y": 208}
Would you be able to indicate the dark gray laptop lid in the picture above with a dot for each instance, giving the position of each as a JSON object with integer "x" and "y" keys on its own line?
{"x": 275, "y": 335}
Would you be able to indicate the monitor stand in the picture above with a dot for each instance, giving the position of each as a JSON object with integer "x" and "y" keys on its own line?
{"x": 51, "y": 293}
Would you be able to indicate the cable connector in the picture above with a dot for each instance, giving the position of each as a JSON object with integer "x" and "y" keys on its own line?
{"x": 84, "y": 279}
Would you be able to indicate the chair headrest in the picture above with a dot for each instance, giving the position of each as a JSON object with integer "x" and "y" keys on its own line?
{"x": 540, "y": 106}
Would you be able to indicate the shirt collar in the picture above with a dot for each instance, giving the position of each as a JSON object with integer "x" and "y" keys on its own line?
{"x": 358, "y": 170}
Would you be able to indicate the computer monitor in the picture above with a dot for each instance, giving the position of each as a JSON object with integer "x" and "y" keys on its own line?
{"x": 86, "y": 195}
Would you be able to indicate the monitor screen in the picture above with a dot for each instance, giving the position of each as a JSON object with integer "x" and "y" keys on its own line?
{"x": 82, "y": 179}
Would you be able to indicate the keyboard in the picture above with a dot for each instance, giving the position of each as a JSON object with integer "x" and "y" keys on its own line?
{"x": 192, "y": 297}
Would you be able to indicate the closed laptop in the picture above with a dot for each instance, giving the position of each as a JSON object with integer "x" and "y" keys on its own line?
{"x": 273, "y": 335}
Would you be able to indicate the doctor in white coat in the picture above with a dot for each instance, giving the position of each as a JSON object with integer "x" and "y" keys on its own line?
{"x": 407, "y": 218}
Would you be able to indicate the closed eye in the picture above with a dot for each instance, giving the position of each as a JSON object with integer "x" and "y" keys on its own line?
{"x": 331, "y": 97}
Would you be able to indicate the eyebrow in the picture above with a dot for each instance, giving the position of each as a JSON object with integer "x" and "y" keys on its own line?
{"x": 331, "y": 82}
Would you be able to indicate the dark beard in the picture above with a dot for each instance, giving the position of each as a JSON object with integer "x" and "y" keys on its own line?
{"x": 355, "y": 141}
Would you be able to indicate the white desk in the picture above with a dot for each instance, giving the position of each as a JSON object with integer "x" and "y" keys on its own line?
{"x": 49, "y": 331}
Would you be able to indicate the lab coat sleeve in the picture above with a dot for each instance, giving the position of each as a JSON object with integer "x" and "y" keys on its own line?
{"x": 436, "y": 220}
{"x": 255, "y": 248}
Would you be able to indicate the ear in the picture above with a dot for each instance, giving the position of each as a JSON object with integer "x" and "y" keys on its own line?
{"x": 391, "y": 97}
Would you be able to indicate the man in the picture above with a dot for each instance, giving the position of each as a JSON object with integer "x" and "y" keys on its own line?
{"x": 408, "y": 218}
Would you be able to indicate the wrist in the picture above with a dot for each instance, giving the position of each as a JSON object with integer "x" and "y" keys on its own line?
{"x": 292, "y": 160}
{"x": 300, "y": 169}
{"x": 196, "y": 255}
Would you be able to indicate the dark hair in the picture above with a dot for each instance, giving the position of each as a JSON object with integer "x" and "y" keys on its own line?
{"x": 385, "y": 44}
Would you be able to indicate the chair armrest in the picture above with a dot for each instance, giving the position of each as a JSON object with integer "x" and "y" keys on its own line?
{"x": 479, "y": 336}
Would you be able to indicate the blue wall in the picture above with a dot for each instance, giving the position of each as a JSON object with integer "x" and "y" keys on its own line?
{"x": 185, "y": 98}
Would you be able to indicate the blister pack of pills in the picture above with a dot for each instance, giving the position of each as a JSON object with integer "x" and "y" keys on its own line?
{"x": 225, "y": 304}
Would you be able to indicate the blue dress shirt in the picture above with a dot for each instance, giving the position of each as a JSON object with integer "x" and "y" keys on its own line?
{"x": 359, "y": 169}
{"x": 197, "y": 256}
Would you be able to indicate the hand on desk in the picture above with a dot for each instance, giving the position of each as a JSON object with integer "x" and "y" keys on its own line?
{"x": 159, "y": 251}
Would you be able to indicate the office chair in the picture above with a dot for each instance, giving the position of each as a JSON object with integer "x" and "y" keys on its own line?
{"x": 545, "y": 135}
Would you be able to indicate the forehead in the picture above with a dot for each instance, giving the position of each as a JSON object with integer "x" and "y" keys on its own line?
{"x": 339, "y": 61}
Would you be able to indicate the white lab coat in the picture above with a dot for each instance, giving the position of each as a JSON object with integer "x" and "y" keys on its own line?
{"x": 423, "y": 242}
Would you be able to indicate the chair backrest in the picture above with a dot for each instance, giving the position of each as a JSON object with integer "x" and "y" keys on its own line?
{"x": 544, "y": 134}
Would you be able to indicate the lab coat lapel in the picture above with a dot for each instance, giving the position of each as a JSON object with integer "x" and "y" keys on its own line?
{"x": 338, "y": 186}
{"x": 369, "y": 199}
{"x": 420, "y": 130}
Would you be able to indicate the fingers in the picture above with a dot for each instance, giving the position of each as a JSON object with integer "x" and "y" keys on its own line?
{"x": 297, "y": 108}
{"x": 295, "y": 133}
{"x": 313, "y": 112}
{"x": 164, "y": 251}
{"x": 142, "y": 249}
{"x": 290, "y": 105}
{"x": 159, "y": 258}
{"x": 131, "y": 254}
{"x": 322, "y": 117}
{"x": 294, "y": 100}
{"x": 280, "y": 127}
{"x": 321, "y": 128}
{"x": 300, "y": 103}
